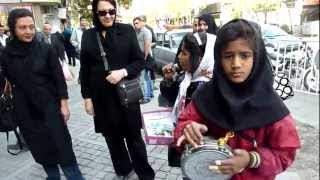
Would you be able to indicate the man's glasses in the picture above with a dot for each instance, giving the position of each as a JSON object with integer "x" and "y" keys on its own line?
{"x": 111, "y": 12}
{"x": 135, "y": 23}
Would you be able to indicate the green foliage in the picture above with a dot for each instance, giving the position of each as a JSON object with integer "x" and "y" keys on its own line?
{"x": 266, "y": 6}
{"x": 81, "y": 8}
{"x": 125, "y": 3}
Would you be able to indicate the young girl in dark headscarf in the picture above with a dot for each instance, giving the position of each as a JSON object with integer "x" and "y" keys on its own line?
{"x": 240, "y": 99}
{"x": 207, "y": 24}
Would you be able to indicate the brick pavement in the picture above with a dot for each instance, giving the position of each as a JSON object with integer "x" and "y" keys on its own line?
{"x": 93, "y": 156}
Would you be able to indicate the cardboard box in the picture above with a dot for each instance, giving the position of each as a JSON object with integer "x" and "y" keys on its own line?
{"x": 158, "y": 128}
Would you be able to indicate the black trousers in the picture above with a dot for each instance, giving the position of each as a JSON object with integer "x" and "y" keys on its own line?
{"x": 133, "y": 156}
{"x": 72, "y": 60}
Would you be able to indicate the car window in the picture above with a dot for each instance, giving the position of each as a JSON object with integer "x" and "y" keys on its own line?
{"x": 166, "y": 42}
{"x": 271, "y": 31}
{"x": 159, "y": 38}
{"x": 176, "y": 39}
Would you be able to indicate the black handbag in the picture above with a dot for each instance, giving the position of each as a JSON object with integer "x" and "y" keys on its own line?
{"x": 7, "y": 117}
{"x": 129, "y": 90}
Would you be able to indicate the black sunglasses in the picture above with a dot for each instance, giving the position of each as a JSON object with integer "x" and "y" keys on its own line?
{"x": 111, "y": 12}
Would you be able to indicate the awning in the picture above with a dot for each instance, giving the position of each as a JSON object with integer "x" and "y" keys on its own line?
{"x": 311, "y": 2}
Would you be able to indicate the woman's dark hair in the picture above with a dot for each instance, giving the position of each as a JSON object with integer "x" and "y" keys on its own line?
{"x": 209, "y": 19}
{"x": 190, "y": 43}
{"x": 240, "y": 28}
{"x": 16, "y": 14}
{"x": 95, "y": 18}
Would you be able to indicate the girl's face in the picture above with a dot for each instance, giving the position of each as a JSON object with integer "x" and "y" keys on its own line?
{"x": 237, "y": 60}
{"x": 25, "y": 29}
{"x": 203, "y": 26}
{"x": 184, "y": 59}
{"x": 106, "y": 13}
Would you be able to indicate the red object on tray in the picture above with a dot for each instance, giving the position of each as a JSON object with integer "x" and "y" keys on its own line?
{"x": 158, "y": 127}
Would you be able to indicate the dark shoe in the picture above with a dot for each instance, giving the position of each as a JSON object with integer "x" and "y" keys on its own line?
{"x": 17, "y": 146}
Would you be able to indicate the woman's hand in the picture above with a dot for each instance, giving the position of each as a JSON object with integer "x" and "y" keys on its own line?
{"x": 233, "y": 165}
{"x": 115, "y": 76}
{"x": 207, "y": 73}
{"x": 168, "y": 71}
{"x": 65, "y": 110}
{"x": 192, "y": 133}
{"x": 89, "y": 106}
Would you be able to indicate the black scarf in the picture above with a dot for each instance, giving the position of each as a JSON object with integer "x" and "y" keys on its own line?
{"x": 212, "y": 27}
{"x": 19, "y": 48}
{"x": 251, "y": 104}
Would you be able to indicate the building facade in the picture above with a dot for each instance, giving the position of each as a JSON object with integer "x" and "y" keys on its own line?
{"x": 43, "y": 10}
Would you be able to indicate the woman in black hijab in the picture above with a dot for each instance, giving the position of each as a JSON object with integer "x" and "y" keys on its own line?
{"x": 40, "y": 97}
{"x": 240, "y": 99}
{"x": 207, "y": 24}
{"x": 120, "y": 125}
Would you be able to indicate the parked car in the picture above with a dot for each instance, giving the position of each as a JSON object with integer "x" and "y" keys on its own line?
{"x": 279, "y": 40}
{"x": 167, "y": 46}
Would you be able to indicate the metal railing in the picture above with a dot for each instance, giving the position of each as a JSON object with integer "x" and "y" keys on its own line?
{"x": 299, "y": 60}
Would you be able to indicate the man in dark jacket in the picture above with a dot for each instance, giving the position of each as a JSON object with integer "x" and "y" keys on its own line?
{"x": 55, "y": 39}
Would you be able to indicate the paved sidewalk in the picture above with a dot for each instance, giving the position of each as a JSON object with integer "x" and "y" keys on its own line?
{"x": 93, "y": 156}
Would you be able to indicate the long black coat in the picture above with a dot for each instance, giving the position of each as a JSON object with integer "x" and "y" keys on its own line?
{"x": 123, "y": 51}
{"x": 38, "y": 86}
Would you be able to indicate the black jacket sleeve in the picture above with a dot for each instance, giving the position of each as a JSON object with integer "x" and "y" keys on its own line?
{"x": 137, "y": 62}
{"x": 2, "y": 80}
{"x": 57, "y": 74}
{"x": 85, "y": 67}
{"x": 57, "y": 43}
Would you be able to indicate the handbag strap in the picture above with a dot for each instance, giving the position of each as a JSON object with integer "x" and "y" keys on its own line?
{"x": 19, "y": 143}
{"x": 103, "y": 53}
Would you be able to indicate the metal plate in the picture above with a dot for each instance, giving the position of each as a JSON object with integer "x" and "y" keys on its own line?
{"x": 195, "y": 165}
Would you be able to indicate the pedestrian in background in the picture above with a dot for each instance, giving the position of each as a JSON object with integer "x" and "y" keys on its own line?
{"x": 76, "y": 37}
{"x": 40, "y": 97}
{"x": 241, "y": 101}
{"x": 120, "y": 125}
{"x": 206, "y": 23}
{"x": 3, "y": 36}
{"x": 55, "y": 39}
{"x": 153, "y": 45}
{"x": 144, "y": 37}
{"x": 70, "y": 49}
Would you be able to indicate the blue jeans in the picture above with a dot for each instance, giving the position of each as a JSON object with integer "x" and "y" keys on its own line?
{"x": 147, "y": 84}
{"x": 71, "y": 172}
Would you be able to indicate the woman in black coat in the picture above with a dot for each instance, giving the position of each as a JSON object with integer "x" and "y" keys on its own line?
{"x": 98, "y": 89}
{"x": 40, "y": 97}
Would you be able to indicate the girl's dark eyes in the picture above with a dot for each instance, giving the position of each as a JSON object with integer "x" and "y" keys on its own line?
{"x": 245, "y": 55}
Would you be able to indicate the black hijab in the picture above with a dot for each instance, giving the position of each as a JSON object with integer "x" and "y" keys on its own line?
{"x": 209, "y": 19}
{"x": 251, "y": 104}
{"x": 14, "y": 45}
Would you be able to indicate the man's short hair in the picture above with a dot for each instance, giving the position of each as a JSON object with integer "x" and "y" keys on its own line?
{"x": 82, "y": 18}
{"x": 137, "y": 18}
{"x": 143, "y": 18}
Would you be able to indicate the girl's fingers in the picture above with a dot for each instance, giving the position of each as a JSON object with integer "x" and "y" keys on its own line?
{"x": 189, "y": 138}
{"x": 180, "y": 140}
